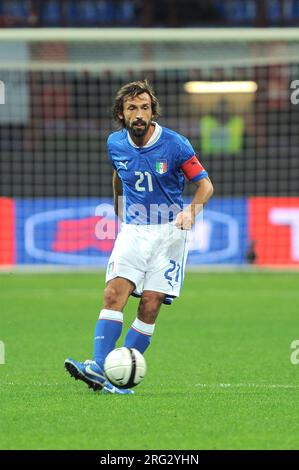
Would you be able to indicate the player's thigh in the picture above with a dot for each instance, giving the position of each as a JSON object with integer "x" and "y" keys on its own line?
{"x": 166, "y": 272}
{"x": 129, "y": 250}
{"x": 128, "y": 259}
{"x": 117, "y": 292}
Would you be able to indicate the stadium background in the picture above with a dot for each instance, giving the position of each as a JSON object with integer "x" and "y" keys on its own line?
{"x": 220, "y": 374}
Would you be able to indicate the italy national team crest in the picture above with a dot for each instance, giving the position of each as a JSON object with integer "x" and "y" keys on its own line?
{"x": 161, "y": 166}
{"x": 111, "y": 268}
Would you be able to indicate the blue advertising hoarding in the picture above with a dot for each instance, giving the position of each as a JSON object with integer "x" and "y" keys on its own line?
{"x": 82, "y": 232}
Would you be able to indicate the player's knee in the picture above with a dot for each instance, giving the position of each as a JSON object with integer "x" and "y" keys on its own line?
{"x": 116, "y": 293}
{"x": 111, "y": 298}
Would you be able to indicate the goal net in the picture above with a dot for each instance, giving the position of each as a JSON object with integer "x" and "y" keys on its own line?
{"x": 232, "y": 93}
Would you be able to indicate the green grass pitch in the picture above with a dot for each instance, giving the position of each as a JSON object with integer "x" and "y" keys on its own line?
{"x": 219, "y": 370}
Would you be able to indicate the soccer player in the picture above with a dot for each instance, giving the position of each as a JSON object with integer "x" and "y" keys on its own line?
{"x": 148, "y": 260}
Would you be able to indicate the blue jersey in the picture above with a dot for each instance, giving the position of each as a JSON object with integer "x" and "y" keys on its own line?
{"x": 153, "y": 176}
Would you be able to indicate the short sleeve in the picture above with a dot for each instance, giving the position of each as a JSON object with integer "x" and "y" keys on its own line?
{"x": 185, "y": 150}
{"x": 189, "y": 163}
{"x": 110, "y": 155}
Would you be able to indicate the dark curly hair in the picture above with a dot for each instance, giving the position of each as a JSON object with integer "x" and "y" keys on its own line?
{"x": 133, "y": 89}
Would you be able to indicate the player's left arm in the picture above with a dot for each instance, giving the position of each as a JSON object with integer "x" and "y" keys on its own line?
{"x": 186, "y": 219}
{"x": 194, "y": 171}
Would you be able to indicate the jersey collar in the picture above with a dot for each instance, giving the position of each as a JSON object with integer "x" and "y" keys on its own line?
{"x": 154, "y": 137}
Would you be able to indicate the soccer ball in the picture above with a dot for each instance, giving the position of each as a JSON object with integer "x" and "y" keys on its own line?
{"x": 125, "y": 367}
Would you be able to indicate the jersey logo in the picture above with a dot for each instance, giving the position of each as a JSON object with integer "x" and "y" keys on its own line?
{"x": 161, "y": 166}
{"x": 123, "y": 164}
{"x": 111, "y": 267}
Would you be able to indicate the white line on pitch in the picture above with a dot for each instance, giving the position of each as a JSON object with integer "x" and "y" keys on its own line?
{"x": 246, "y": 385}
{"x": 35, "y": 384}
{"x": 200, "y": 385}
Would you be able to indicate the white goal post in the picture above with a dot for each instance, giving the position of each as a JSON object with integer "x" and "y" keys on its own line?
{"x": 96, "y": 49}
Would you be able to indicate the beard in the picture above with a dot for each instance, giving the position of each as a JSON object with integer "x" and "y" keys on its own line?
{"x": 137, "y": 131}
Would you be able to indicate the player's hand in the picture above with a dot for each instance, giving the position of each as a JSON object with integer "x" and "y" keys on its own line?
{"x": 185, "y": 220}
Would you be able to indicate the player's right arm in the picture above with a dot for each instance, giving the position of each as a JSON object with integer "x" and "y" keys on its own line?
{"x": 117, "y": 194}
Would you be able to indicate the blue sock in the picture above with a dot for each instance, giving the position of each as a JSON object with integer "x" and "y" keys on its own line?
{"x": 139, "y": 335}
{"x": 108, "y": 330}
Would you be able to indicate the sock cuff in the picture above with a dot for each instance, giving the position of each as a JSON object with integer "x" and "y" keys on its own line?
{"x": 113, "y": 315}
{"x": 144, "y": 328}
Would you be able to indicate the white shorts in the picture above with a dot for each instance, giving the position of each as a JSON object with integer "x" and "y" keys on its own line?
{"x": 153, "y": 257}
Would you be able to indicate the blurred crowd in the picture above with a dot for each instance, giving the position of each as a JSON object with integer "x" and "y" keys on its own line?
{"x": 154, "y": 13}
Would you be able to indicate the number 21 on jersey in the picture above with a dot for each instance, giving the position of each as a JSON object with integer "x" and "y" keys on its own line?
{"x": 142, "y": 184}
